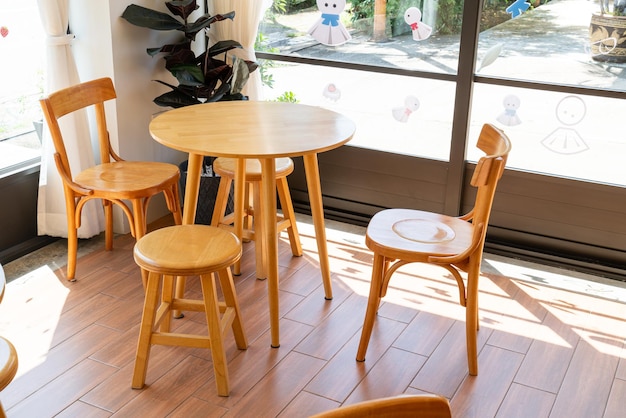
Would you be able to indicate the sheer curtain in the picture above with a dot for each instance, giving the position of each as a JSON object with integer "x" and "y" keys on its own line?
{"x": 242, "y": 29}
{"x": 61, "y": 72}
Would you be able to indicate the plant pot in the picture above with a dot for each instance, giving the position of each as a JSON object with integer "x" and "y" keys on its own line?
{"x": 209, "y": 183}
{"x": 607, "y": 36}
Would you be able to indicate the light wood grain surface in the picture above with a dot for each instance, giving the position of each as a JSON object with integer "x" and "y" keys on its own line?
{"x": 252, "y": 129}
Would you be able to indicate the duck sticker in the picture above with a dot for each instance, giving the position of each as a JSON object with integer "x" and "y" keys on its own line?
{"x": 329, "y": 30}
{"x": 413, "y": 18}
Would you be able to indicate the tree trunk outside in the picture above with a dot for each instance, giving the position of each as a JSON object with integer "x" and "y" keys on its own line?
{"x": 380, "y": 21}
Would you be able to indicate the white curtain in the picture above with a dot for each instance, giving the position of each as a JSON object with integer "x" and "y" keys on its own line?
{"x": 243, "y": 29}
{"x": 61, "y": 72}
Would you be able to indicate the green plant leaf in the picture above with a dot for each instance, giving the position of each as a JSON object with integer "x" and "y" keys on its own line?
{"x": 175, "y": 99}
{"x": 171, "y": 48}
{"x": 182, "y": 8}
{"x": 152, "y": 19}
{"x": 241, "y": 74}
{"x": 205, "y": 21}
{"x": 222, "y": 47}
{"x": 188, "y": 75}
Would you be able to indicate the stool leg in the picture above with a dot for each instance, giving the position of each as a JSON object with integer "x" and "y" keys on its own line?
{"x": 230, "y": 298}
{"x": 145, "y": 330}
{"x": 287, "y": 206}
{"x": 167, "y": 296}
{"x": 215, "y": 333}
{"x": 221, "y": 200}
{"x": 180, "y": 294}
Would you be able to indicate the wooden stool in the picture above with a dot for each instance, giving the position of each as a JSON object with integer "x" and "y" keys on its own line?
{"x": 226, "y": 167}
{"x": 188, "y": 250}
{"x": 8, "y": 366}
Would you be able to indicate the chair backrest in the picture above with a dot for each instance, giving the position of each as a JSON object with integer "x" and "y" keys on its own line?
{"x": 74, "y": 98}
{"x": 496, "y": 146}
{"x": 404, "y": 406}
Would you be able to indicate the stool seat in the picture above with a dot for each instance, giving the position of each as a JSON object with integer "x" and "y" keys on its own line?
{"x": 187, "y": 250}
{"x": 225, "y": 168}
{"x": 180, "y": 252}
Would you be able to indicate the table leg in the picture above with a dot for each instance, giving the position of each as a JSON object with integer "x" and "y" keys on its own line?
{"x": 270, "y": 241}
{"x": 190, "y": 204}
{"x": 239, "y": 198}
{"x": 194, "y": 171}
{"x": 311, "y": 169}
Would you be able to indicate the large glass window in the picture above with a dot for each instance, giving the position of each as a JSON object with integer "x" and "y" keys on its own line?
{"x": 21, "y": 83}
{"x": 379, "y": 47}
{"x": 400, "y": 114}
{"x": 552, "y": 73}
{"x": 561, "y": 134}
{"x": 418, "y": 35}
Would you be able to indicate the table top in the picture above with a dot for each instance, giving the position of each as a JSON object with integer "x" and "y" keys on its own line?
{"x": 252, "y": 129}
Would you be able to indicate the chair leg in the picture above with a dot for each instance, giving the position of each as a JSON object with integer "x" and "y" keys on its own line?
{"x": 72, "y": 243}
{"x": 108, "y": 228}
{"x": 172, "y": 198}
{"x": 218, "y": 353}
{"x": 373, "y": 301}
{"x": 145, "y": 331}
{"x": 287, "y": 206}
{"x": 471, "y": 322}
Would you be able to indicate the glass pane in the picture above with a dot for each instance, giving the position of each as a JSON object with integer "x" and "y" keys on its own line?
{"x": 21, "y": 82}
{"x": 408, "y": 34}
{"x": 560, "y": 134}
{"x": 403, "y": 115}
{"x": 552, "y": 43}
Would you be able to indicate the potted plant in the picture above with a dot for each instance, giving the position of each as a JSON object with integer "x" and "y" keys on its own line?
{"x": 201, "y": 79}
{"x": 607, "y": 32}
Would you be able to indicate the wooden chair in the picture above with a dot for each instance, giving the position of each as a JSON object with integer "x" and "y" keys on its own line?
{"x": 403, "y": 406}
{"x": 114, "y": 179}
{"x": 226, "y": 168}
{"x": 402, "y": 236}
{"x": 183, "y": 251}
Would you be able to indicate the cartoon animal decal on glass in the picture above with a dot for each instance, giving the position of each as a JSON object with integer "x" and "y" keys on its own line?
{"x": 401, "y": 114}
{"x": 570, "y": 111}
{"x": 420, "y": 30}
{"x": 509, "y": 117}
{"x": 329, "y": 30}
{"x": 331, "y": 92}
{"x": 517, "y": 8}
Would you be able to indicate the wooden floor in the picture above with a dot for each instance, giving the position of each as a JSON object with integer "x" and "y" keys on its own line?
{"x": 544, "y": 351}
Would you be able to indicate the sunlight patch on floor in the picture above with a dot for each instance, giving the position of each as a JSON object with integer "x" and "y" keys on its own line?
{"x": 38, "y": 316}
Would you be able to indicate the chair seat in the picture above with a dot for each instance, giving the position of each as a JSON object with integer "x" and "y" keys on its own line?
{"x": 415, "y": 235}
{"x": 206, "y": 249}
{"x": 130, "y": 178}
{"x": 227, "y": 167}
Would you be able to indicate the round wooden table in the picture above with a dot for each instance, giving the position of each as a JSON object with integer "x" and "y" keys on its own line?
{"x": 262, "y": 130}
